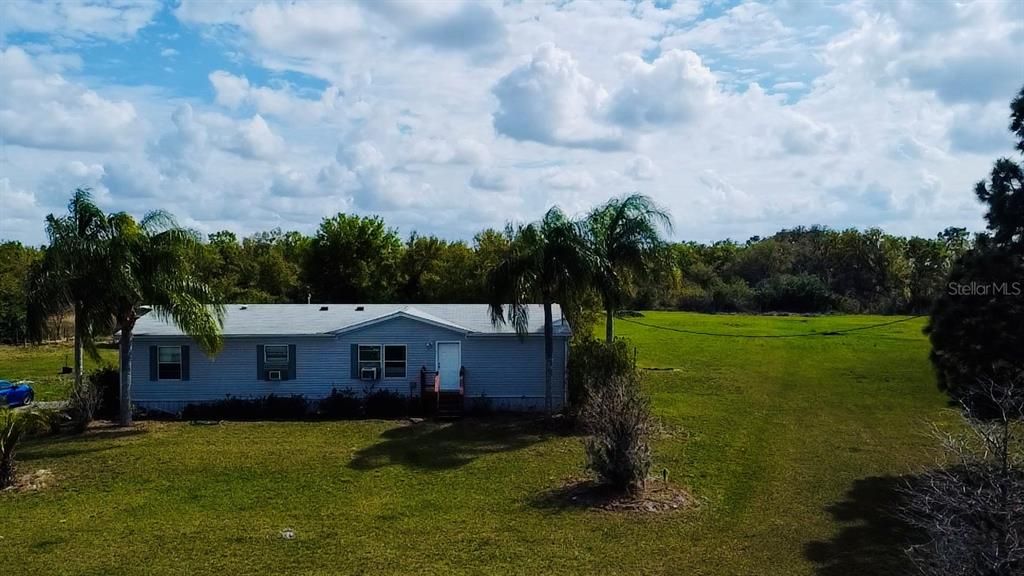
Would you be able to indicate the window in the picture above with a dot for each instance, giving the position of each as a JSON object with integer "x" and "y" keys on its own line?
{"x": 169, "y": 363}
{"x": 394, "y": 361}
{"x": 275, "y": 355}
{"x": 389, "y": 361}
{"x": 369, "y": 357}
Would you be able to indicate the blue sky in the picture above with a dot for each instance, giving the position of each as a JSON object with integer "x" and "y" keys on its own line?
{"x": 447, "y": 117}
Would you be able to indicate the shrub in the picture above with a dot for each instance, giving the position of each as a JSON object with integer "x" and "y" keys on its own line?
{"x": 735, "y": 296}
{"x": 343, "y": 404}
{"x": 617, "y": 417}
{"x": 970, "y": 512}
{"x": 385, "y": 404}
{"x": 82, "y": 404}
{"x": 15, "y": 425}
{"x": 591, "y": 363}
{"x": 272, "y": 407}
{"x": 794, "y": 293}
{"x": 694, "y": 298}
{"x": 107, "y": 383}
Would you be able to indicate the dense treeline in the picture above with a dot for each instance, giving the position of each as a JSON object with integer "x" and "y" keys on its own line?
{"x": 359, "y": 259}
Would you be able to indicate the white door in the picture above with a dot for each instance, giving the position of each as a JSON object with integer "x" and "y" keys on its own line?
{"x": 449, "y": 361}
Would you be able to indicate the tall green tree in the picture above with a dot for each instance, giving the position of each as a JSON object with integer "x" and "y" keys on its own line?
{"x": 977, "y": 325}
{"x": 625, "y": 237}
{"x": 547, "y": 261}
{"x": 354, "y": 259}
{"x": 151, "y": 271}
{"x": 73, "y": 274}
{"x": 15, "y": 262}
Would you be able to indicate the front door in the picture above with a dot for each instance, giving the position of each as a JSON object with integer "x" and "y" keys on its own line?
{"x": 449, "y": 361}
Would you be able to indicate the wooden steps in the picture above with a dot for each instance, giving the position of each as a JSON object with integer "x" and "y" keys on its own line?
{"x": 450, "y": 404}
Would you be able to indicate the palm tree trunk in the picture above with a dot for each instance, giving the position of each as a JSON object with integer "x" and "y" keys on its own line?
{"x": 609, "y": 324}
{"x": 125, "y": 403}
{"x": 79, "y": 347}
{"x": 549, "y": 353}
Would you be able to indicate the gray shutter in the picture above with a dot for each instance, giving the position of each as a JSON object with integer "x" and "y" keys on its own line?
{"x": 260, "y": 373}
{"x": 291, "y": 361}
{"x": 355, "y": 361}
{"x": 153, "y": 372}
{"x": 185, "y": 372}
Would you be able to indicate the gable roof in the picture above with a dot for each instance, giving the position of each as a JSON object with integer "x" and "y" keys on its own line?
{"x": 311, "y": 320}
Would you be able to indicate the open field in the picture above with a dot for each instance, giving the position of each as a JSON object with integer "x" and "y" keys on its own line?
{"x": 792, "y": 445}
{"x": 42, "y": 365}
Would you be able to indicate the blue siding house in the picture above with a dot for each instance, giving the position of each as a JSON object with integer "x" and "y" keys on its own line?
{"x": 311, "y": 349}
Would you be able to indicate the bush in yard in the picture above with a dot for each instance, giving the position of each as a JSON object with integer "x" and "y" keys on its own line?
{"x": 83, "y": 403}
{"x": 617, "y": 418}
{"x": 15, "y": 425}
{"x": 272, "y": 407}
{"x": 343, "y": 404}
{"x": 971, "y": 511}
{"x": 385, "y": 404}
{"x": 591, "y": 363}
{"x": 107, "y": 381}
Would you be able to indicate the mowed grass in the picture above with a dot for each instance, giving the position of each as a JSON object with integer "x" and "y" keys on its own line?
{"x": 792, "y": 446}
{"x": 42, "y": 365}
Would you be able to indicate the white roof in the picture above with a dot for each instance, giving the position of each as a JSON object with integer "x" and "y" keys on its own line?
{"x": 313, "y": 319}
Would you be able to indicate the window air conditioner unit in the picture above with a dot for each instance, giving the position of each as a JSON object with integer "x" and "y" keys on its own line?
{"x": 368, "y": 373}
{"x": 274, "y": 375}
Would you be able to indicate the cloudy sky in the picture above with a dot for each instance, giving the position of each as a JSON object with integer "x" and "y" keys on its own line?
{"x": 447, "y": 117}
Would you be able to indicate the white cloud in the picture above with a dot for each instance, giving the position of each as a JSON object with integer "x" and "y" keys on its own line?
{"x": 132, "y": 180}
{"x": 568, "y": 179}
{"x": 674, "y": 88}
{"x": 183, "y": 151}
{"x": 255, "y": 139}
{"x": 641, "y": 168}
{"x": 43, "y": 110}
{"x": 436, "y": 105}
{"x": 489, "y": 178}
{"x": 549, "y": 100}
{"x": 235, "y": 91}
{"x": 18, "y": 204}
{"x": 113, "y": 19}
{"x": 440, "y": 151}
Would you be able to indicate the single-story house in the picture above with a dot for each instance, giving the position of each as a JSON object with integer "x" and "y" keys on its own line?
{"x": 312, "y": 349}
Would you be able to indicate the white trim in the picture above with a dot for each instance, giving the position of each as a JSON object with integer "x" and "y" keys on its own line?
{"x": 181, "y": 368}
{"x": 400, "y": 314}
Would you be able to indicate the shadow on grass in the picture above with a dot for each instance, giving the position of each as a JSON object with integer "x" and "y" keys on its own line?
{"x": 871, "y": 540}
{"x": 587, "y": 494}
{"x": 436, "y": 446}
{"x": 61, "y": 445}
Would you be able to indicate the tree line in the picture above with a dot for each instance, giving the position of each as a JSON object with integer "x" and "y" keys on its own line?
{"x": 354, "y": 258}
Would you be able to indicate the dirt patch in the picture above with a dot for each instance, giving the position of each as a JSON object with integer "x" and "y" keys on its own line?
{"x": 33, "y": 481}
{"x": 658, "y": 497}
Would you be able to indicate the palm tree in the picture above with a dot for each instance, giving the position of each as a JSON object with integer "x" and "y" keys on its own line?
{"x": 71, "y": 275}
{"x": 625, "y": 237}
{"x": 151, "y": 272}
{"x": 14, "y": 426}
{"x": 547, "y": 261}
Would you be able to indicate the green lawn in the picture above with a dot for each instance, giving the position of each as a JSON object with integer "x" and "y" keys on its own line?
{"x": 42, "y": 365}
{"x": 793, "y": 446}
